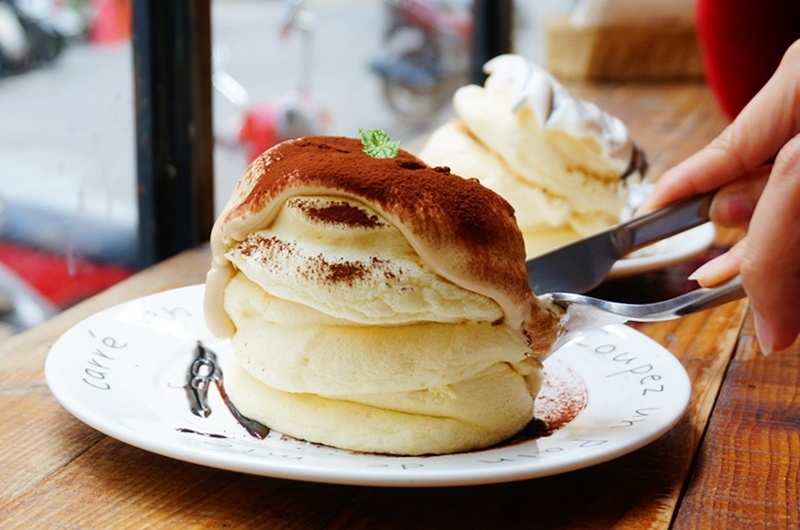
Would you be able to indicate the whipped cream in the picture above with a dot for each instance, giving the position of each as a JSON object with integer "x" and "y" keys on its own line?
{"x": 556, "y": 108}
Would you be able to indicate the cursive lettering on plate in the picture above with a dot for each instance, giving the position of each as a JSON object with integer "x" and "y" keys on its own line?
{"x": 630, "y": 364}
{"x": 101, "y": 360}
{"x": 171, "y": 313}
{"x": 639, "y": 415}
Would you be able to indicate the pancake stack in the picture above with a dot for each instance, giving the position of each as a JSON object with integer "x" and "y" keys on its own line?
{"x": 375, "y": 304}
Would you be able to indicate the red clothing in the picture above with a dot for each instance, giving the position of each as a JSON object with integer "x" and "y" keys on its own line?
{"x": 743, "y": 42}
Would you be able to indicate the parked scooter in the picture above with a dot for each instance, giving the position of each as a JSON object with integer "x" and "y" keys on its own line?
{"x": 425, "y": 56}
{"x": 34, "y": 32}
{"x": 14, "y": 46}
{"x": 291, "y": 114}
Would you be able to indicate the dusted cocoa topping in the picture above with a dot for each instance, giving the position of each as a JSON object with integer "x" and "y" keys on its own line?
{"x": 462, "y": 231}
{"x": 264, "y": 249}
{"x": 259, "y": 244}
{"x": 404, "y": 185}
{"x": 434, "y": 204}
{"x": 343, "y": 214}
{"x": 347, "y": 271}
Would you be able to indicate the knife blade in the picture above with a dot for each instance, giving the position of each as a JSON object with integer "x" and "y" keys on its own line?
{"x": 582, "y": 265}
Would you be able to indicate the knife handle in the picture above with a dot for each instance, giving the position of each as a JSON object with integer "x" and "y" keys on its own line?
{"x": 669, "y": 220}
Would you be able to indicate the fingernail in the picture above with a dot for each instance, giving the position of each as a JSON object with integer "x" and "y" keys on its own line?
{"x": 715, "y": 271}
{"x": 763, "y": 333}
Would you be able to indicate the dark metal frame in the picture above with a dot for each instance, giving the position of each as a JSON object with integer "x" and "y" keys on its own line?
{"x": 174, "y": 136}
{"x": 491, "y": 33}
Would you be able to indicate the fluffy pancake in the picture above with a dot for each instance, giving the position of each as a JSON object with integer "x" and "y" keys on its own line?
{"x": 368, "y": 300}
{"x": 563, "y": 163}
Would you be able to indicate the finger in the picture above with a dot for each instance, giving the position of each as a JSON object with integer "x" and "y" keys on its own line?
{"x": 757, "y": 133}
{"x": 733, "y": 205}
{"x": 770, "y": 265}
{"x": 722, "y": 268}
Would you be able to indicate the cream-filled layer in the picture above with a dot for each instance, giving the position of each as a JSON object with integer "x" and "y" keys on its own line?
{"x": 341, "y": 258}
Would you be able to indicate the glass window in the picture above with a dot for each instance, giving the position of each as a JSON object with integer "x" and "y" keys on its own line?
{"x": 66, "y": 149}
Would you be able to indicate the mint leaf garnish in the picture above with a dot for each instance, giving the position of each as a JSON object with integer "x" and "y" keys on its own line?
{"x": 377, "y": 144}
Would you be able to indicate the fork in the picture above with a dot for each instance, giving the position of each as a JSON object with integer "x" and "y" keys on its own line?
{"x": 585, "y": 312}
{"x": 562, "y": 274}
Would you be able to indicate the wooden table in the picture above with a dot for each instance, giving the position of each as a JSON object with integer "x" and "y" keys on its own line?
{"x": 732, "y": 461}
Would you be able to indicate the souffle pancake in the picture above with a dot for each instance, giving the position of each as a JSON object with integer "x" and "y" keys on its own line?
{"x": 375, "y": 304}
{"x": 569, "y": 168}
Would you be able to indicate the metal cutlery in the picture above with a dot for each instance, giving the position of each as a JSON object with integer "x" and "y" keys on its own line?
{"x": 580, "y": 266}
{"x": 204, "y": 371}
{"x": 563, "y": 274}
{"x": 586, "y": 312}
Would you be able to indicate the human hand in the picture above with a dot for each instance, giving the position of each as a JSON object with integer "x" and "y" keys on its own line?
{"x": 755, "y": 163}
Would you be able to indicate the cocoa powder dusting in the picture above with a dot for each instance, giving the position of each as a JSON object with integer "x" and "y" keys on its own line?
{"x": 266, "y": 245}
{"x": 467, "y": 222}
{"x": 563, "y": 396}
{"x": 272, "y": 252}
{"x": 346, "y": 271}
{"x": 404, "y": 185}
{"x": 342, "y": 213}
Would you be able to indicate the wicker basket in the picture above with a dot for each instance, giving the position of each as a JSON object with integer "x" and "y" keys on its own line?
{"x": 647, "y": 52}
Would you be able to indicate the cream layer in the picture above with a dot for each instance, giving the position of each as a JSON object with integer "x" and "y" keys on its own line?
{"x": 356, "y": 267}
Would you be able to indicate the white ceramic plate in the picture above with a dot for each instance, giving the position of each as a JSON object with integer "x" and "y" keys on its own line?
{"x": 675, "y": 249}
{"x": 122, "y": 372}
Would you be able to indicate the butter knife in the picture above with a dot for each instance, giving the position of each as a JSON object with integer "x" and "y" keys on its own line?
{"x": 582, "y": 265}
